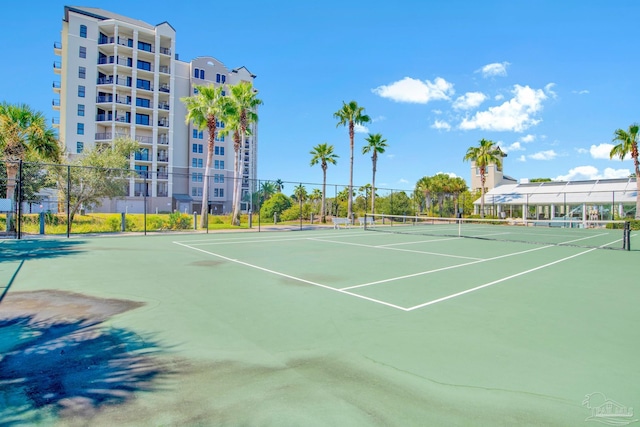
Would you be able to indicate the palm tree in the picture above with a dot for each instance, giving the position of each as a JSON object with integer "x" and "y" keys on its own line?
{"x": 628, "y": 144}
{"x": 376, "y": 145}
{"x": 204, "y": 109}
{"x": 279, "y": 185}
{"x": 268, "y": 189}
{"x": 423, "y": 191}
{"x": 315, "y": 196}
{"x": 241, "y": 113}
{"x": 323, "y": 154}
{"x": 485, "y": 154}
{"x": 300, "y": 193}
{"x": 24, "y": 135}
{"x": 457, "y": 186}
{"x": 350, "y": 115}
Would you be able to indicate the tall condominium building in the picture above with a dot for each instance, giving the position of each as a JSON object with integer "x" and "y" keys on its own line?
{"x": 121, "y": 77}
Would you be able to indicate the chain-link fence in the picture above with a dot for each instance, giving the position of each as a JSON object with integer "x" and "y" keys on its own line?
{"x": 65, "y": 199}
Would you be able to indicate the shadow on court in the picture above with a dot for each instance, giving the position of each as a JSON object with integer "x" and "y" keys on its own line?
{"x": 70, "y": 367}
{"x": 18, "y": 250}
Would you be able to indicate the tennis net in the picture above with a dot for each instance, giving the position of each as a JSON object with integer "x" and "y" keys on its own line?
{"x": 562, "y": 232}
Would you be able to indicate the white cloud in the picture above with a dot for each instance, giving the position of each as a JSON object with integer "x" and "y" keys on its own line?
{"x": 403, "y": 181}
{"x": 548, "y": 89}
{"x": 416, "y": 91}
{"x": 514, "y": 115}
{"x": 580, "y": 92}
{"x": 391, "y": 156}
{"x": 495, "y": 69}
{"x": 522, "y": 158}
{"x": 469, "y": 100}
{"x": 582, "y": 150}
{"x": 528, "y": 138}
{"x": 357, "y": 128}
{"x": 601, "y": 151}
{"x": 499, "y": 97}
{"x": 436, "y": 111}
{"x": 442, "y": 125}
{"x": 591, "y": 172}
{"x": 378, "y": 119}
{"x": 516, "y": 146}
{"x": 451, "y": 174}
{"x": 543, "y": 155}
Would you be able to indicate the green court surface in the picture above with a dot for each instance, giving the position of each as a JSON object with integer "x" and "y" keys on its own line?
{"x": 316, "y": 328}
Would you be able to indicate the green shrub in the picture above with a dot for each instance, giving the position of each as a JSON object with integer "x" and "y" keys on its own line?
{"x": 179, "y": 221}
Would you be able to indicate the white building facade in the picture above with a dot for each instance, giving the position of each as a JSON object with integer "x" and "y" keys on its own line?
{"x": 121, "y": 77}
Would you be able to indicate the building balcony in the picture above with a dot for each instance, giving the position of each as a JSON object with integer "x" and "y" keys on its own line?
{"x": 164, "y": 88}
{"x": 104, "y": 136}
{"x": 144, "y": 139}
{"x": 144, "y": 157}
{"x": 163, "y": 105}
{"x": 163, "y": 140}
{"x": 56, "y": 104}
{"x": 163, "y": 123}
{"x": 55, "y": 122}
{"x": 104, "y": 99}
{"x": 57, "y": 67}
{"x": 163, "y": 175}
{"x": 163, "y": 193}
{"x": 56, "y": 87}
{"x": 163, "y": 157}
{"x": 57, "y": 48}
{"x": 106, "y": 40}
{"x": 165, "y": 69}
{"x": 105, "y": 81}
{"x": 165, "y": 51}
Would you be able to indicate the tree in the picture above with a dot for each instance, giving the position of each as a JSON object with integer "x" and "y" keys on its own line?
{"x": 349, "y": 115}
{"x": 204, "y": 109}
{"x": 277, "y": 204}
{"x": 485, "y": 154}
{"x": 98, "y": 173}
{"x": 422, "y": 192}
{"x": 24, "y": 135}
{"x": 279, "y": 185}
{"x": 628, "y": 144}
{"x": 241, "y": 112}
{"x": 268, "y": 189}
{"x": 300, "y": 193}
{"x": 323, "y": 154}
{"x": 376, "y": 145}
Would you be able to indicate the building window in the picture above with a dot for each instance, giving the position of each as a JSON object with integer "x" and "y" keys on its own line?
{"x": 81, "y": 91}
{"x": 202, "y": 74}
{"x": 195, "y": 134}
{"x": 196, "y": 191}
{"x": 218, "y": 192}
{"x": 81, "y": 109}
{"x": 142, "y": 119}
{"x": 195, "y": 90}
{"x": 196, "y": 163}
{"x": 218, "y": 178}
{"x": 224, "y": 93}
{"x": 218, "y": 164}
{"x": 143, "y": 84}
{"x": 83, "y": 31}
{"x": 80, "y": 129}
{"x": 196, "y": 177}
{"x": 83, "y": 52}
{"x": 220, "y": 124}
{"x": 142, "y": 102}
{"x": 201, "y": 135}
{"x": 79, "y": 147}
{"x": 82, "y": 72}
{"x": 196, "y": 73}
{"x": 219, "y": 138}
{"x": 200, "y": 148}
{"x": 144, "y": 65}
{"x": 144, "y": 46}
{"x": 219, "y": 151}
{"x": 197, "y": 148}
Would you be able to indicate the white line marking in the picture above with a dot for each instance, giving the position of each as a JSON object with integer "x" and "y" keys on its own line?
{"x": 422, "y": 273}
{"x": 486, "y": 285}
{"x": 396, "y": 249}
{"x": 277, "y": 273}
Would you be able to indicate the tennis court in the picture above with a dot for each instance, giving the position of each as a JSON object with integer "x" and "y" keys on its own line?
{"x": 318, "y": 327}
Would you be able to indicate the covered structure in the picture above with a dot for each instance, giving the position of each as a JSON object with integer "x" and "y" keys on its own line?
{"x": 594, "y": 200}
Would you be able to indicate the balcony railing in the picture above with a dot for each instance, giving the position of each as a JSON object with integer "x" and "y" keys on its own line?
{"x": 123, "y": 81}
{"x": 163, "y": 193}
{"x": 145, "y": 139}
{"x": 163, "y": 140}
{"x": 163, "y": 157}
{"x": 163, "y": 175}
{"x": 125, "y": 42}
{"x": 123, "y": 100}
{"x": 163, "y": 123}
{"x": 164, "y": 88}
{"x": 142, "y": 156}
{"x": 55, "y": 102}
{"x": 57, "y": 65}
{"x": 164, "y": 69}
{"x": 55, "y": 121}
{"x": 57, "y": 45}
{"x": 101, "y": 99}
{"x": 103, "y": 136}
{"x": 106, "y": 40}
{"x": 105, "y": 80}
{"x": 57, "y": 85}
{"x": 165, "y": 50}
{"x": 163, "y": 105}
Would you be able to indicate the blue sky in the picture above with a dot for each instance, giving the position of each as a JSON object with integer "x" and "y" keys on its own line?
{"x": 549, "y": 81}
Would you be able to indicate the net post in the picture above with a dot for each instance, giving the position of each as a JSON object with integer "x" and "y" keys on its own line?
{"x": 626, "y": 239}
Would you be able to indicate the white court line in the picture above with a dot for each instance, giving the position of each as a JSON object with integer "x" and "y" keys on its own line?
{"x": 422, "y": 273}
{"x": 394, "y": 249}
{"x": 486, "y": 285}
{"x": 277, "y": 273}
{"x": 436, "y": 240}
{"x": 250, "y": 240}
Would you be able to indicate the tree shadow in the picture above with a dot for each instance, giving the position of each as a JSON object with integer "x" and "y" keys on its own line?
{"x": 71, "y": 368}
{"x": 18, "y": 250}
